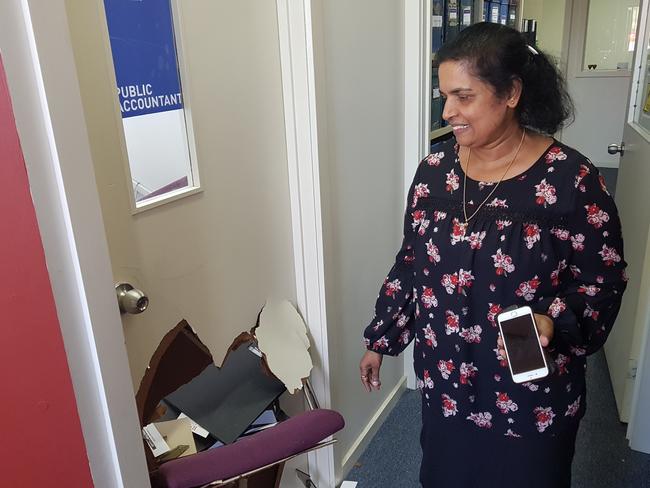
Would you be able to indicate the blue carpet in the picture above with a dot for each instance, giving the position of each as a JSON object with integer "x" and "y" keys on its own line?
{"x": 603, "y": 458}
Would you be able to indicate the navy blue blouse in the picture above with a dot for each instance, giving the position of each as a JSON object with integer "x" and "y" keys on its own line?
{"x": 549, "y": 238}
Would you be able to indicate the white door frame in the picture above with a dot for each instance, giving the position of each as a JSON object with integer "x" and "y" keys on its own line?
{"x": 36, "y": 49}
{"x": 301, "y": 129}
{"x": 417, "y": 109}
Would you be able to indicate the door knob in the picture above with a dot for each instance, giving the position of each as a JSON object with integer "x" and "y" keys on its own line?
{"x": 615, "y": 148}
{"x": 131, "y": 300}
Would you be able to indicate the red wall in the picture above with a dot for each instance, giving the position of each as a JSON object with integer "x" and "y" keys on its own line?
{"x": 41, "y": 443}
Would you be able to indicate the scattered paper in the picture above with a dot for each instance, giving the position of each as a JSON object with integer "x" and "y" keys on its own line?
{"x": 348, "y": 484}
{"x": 178, "y": 433}
{"x": 154, "y": 440}
{"x": 196, "y": 428}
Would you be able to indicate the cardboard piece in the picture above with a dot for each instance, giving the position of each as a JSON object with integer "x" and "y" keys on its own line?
{"x": 177, "y": 433}
{"x": 282, "y": 337}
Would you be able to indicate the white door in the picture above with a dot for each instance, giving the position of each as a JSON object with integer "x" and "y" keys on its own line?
{"x": 598, "y": 74}
{"x": 634, "y": 206}
{"x": 213, "y": 255}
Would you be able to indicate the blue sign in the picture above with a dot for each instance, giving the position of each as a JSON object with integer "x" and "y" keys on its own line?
{"x": 144, "y": 56}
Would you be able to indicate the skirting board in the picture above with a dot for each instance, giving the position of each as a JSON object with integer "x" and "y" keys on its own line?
{"x": 360, "y": 444}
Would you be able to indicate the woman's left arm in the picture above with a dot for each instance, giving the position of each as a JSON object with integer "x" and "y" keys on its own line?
{"x": 589, "y": 296}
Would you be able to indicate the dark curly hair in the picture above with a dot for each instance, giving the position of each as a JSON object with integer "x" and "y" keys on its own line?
{"x": 498, "y": 55}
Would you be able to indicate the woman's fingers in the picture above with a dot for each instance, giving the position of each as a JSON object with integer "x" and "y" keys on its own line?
{"x": 369, "y": 370}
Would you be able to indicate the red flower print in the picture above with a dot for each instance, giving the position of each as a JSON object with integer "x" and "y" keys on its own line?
{"x": 531, "y": 235}
{"x": 432, "y": 252}
{"x": 596, "y": 216}
{"x": 603, "y": 186}
{"x": 493, "y": 311}
{"x": 457, "y": 232}
{"x": 467, "y": 371}
{"x": 556, "y": 308}
{"x": 448, "y": 406}
{"x": 393, "y": 287}
{"x": 582, "y": 172}
{"x": 502, "y": 224}
{"x": 545, "y": 193}
{"x": 446, "y": 368}
{"x": 434, "y": 159}
{"x": 577, "y": 241}
{"x": 438, "y": 216}
{"x": 573, "y": 408}
{"x": 458, "y": 281}
{"x": 404, "y": 337}
{"x": 428, "y": 382}
{"x": 430, "y": 336}
{"x": 419, "y": 219}
{"x": 497, "y": 203}
{"x": 505, "y": 404}
{"x": 561, "y": 234}
{"x": 591, "y": 313}
{"x": 428, "y": 299}
{"x": 554, "y": 154}
{"x": 402, "y": 320}
{"x": 503, "y": 263}
{"x": 381, "y": 343}
{"x": 452, "y": 324}
{"x": 452, "y": 182}
{"x": 528, "y": 288}
{"x": 544, "y": 418}
{"x": 555, "y": 275}
{"x": 562, "y": 361}
{"x": 589, "y": 290}
{"x": 481, "y": 419}
{"x": 475, "y": 239}
{"x": 421, "y": 190}
{"x": 472, "y": 335}
{"x": 609, "y": 255}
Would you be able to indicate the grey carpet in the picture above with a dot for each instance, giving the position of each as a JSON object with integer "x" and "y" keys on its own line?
{"x": 603, "y": 458}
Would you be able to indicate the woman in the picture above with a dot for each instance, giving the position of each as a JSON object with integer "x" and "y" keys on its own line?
{"x": 500, "y": 215}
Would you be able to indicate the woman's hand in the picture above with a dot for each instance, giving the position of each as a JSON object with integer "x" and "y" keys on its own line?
{"x": 545, "y": 329}
{"x": 369, "y": 369}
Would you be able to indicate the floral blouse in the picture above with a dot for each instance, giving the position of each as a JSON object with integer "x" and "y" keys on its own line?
{"x": 549, "y": 238}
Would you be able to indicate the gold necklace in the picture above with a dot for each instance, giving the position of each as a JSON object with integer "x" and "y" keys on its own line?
{"x": 469, "y": 154}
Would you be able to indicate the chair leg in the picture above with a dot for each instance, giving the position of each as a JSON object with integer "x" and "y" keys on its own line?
{"x": 305, "y": 478}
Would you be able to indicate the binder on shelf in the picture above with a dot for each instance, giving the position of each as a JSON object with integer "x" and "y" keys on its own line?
{"x": 485, "y": 16}
{"x": 437, "y": 24}
{"x": 436, "y": 101}
{"x": 512, "y": 16}
{"x": 451, "y": 20}
{"x": 495, "y": 7}
{"x": 467, "y": 12}
{"x": 503, "y": 12}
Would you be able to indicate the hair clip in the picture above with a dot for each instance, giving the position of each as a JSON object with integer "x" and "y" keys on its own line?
{"x": 533, "y": 51}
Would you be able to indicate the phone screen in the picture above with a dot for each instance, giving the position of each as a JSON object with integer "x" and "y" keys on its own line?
{"x": 520, "y": 337}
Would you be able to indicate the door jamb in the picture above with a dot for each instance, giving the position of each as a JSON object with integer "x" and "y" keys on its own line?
{"x": 299, "y": 95}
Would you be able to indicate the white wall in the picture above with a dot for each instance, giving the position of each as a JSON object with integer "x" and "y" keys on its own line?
{"x": 550, "y": 23}
{"x": 359, "y": 75}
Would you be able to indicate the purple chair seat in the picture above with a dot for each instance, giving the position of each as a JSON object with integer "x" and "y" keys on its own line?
{"x": 288, "y": 438}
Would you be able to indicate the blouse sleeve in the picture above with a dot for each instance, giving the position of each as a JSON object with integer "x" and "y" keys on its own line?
{"x": 392, "y": 327}
{"x": 592, "y": 287}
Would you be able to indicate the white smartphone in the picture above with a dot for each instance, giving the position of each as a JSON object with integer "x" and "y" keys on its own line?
{"x": 526, "y": 358}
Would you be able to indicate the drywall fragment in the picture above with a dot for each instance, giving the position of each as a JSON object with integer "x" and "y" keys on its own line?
{"x": 282, "y": 337}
